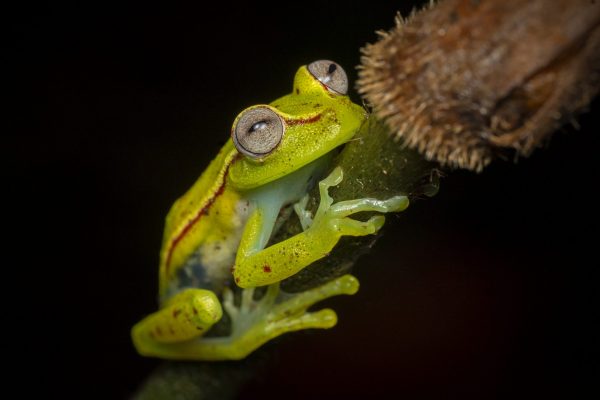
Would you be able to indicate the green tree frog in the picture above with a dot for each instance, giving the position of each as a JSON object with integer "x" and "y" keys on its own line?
{"x": 216, "y": 234}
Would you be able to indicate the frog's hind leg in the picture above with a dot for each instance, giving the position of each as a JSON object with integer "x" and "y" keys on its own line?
{"x": 187, "y": 315}
{"x": 255, "y": 322}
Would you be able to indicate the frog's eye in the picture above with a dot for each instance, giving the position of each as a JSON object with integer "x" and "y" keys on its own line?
{"x": 330, "y": 74}
{"x": 257, "y": 132}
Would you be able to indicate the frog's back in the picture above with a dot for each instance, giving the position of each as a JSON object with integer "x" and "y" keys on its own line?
{"x": 196, "y": 251}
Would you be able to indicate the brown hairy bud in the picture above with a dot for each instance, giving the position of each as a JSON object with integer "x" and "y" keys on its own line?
{"x": 463, "y": 80}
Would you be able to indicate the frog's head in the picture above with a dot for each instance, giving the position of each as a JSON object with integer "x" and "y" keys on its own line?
{"x": 276, "y": 139}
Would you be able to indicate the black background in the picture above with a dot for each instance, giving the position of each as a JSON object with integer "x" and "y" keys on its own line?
{"x": 484, "y": 291}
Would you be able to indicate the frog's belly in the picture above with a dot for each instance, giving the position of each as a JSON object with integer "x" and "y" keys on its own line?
{"x": 209, "y": 266}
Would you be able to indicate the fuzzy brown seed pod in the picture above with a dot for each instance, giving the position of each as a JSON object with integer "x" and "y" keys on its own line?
{"x": 464, "y": 80}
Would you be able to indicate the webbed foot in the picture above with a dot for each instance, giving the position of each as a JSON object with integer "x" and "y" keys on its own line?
{"x": 335, "y": 216}
{"x": 255, "y": 322}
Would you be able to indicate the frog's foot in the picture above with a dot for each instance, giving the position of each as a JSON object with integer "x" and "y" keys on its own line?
{"x": 255, "y": 322}
{"x": 335, "y": 216}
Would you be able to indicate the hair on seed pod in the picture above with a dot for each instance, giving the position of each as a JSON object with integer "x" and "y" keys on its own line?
{"x": 463, "y": 81}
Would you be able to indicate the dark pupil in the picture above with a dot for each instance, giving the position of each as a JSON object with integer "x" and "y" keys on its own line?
{"x": 332, "y": 68}
{"x": 260, "y": 125}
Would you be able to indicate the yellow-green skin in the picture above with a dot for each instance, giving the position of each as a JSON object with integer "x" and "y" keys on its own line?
{"x": 216, "y": 234}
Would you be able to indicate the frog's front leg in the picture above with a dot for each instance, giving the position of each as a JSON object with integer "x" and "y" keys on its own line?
{"x": 331, "y": 222}
{"x": 187, "y": 315}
